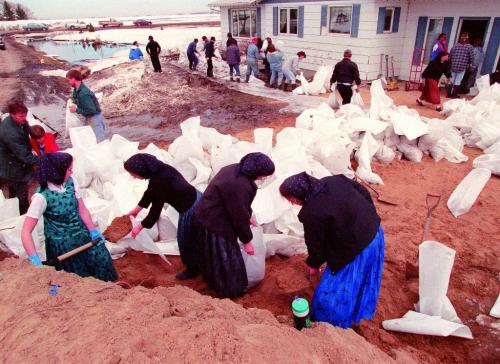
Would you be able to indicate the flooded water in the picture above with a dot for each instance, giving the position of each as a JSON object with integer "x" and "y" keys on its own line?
{"x": 77, "y": 52}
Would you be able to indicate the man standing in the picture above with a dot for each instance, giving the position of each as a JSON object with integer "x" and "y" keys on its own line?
{"x": 209, "y": 54}
{"x": 461, "y": 56}
{"x": 86, "y": 104}
{"x": 192, "y": 54}
{"x": 233, "y": 59}
{"x": 230, "y": 40}
{"x": 253, "y": 55}
{"x": 16, "y": 155}
{"x": 154, "y": 49}
{"x": 345, "y": 74}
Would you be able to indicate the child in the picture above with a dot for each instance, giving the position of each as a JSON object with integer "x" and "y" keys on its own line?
{"x": 41, "y": 141}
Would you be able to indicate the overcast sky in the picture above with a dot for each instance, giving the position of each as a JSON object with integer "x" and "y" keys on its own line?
{"x": 55, "y": 9}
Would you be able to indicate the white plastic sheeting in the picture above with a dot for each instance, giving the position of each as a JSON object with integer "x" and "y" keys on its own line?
{"x": 434, "y": 313}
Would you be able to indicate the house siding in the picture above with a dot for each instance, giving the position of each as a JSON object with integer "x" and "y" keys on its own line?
{"x": 367, "y": 47}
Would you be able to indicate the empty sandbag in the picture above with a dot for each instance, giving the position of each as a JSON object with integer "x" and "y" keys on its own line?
{"x": 467, "y": 191}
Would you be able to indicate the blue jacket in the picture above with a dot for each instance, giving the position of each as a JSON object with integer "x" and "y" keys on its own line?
{"x": 191, "y": 51}
{"x": 233, "y": 54}
{"x": 275, "y": 60}
{"x": 135, "y": 53}
{"x": 253, "y": 52}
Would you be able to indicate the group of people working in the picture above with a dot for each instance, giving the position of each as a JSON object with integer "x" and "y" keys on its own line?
{"x": 460, "y": 66}
{"x": 341, "y": 225}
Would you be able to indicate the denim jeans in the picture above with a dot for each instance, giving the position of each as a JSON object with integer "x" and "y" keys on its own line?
{"x": 274, "y": 74}
{"x": 290, "y": 77}
{"x": 236, "y": 68}
{"x": 457, "y": 77}
{"x": 252, "y": 67}
{"x": 97, "y": 123}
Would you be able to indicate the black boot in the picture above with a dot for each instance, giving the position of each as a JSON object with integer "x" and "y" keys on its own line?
{"x": 247, "y": 78}
{"x": 187, "y": 274}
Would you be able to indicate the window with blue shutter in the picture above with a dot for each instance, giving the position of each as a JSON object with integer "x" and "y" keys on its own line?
{"x": 420, "y": 38}
{"x": 229, "y": 20}
{"x": 492, "y": 49}
{"x": 301, "y": 22}
{"x": 259, "y": 23}
{"x": 381, "y": 20}
{"x": 356, "y": 12}
{"x": 447, "y": 25}
{"x": 395, "y": 22}
{"x": 275, "y": 20}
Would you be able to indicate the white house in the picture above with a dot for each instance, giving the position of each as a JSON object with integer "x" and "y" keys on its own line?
{"x": 370, "y": 28}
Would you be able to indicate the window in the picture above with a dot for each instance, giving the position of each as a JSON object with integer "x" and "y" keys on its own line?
{"x": 434, "y": 28}
{"x": 288, "y": 21}
{"x": 244, "y": 23}
{"x": 389, "y": 17}
{"x": 340, "y": 19}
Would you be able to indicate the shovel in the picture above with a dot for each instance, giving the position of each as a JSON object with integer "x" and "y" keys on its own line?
{"x": 56, "y": 133}
{"x": 379, "y": 197}
{"x": 52, "y": 262}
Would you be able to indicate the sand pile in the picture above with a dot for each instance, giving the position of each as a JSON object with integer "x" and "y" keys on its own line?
{"x": 118, "y": 229}
{"x": 92, "y": 321}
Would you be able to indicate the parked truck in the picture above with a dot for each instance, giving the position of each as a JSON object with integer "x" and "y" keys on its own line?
{"x": 110, "y": 23}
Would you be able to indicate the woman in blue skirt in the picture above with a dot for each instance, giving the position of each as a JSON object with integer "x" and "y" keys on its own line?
{"x": 167, "y": 185}
{"x": 67, "y": 223}
{"x": 341, "y": 228}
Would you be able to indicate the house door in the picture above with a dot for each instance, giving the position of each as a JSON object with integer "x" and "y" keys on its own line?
{"x": 434, "y": 28}
{"x": 476, "y": 27}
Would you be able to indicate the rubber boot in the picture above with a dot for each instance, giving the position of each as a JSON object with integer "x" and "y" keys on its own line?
{"x": 247, "y": 78}
{"x": 294, "y": 86}
{"x": 449, "y": 89}
{"x": 238, "y": 79}
{"x": 231, "y": 79}
{"x": 285, "y": 87}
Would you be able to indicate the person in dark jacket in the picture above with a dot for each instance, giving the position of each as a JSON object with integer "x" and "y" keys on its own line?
{"x": 209, "y": 54}
{"x": 154, "y": 49}
{"x": 192, "y": 54}
{"x": 431, "y": 75}
{"x": 341, "y": 228}
{"x": 233, "y": 59}
{"x": 16, "y": 155}
{"x": 345, "y": 74}
{"x": 223, "y": 216}
{"x": 167, "y": 185}
{"x": 230, "y": 40}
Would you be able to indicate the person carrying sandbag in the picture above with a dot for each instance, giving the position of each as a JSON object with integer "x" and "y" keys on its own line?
{"x": 67, "y": 223}
{"x": 341, "y": 228}
{"x": 291, "y": 70}
{"x": 167, "y": 185}
{"x": 345, "y": 74}
{"x": 223, "y": 217}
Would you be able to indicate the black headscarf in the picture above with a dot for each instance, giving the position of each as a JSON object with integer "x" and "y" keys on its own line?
{"x": 256, "y": 165}
{"x": 53, "y": 167}
{"x": 143, "y": 164}
{"x": 300, "y": 186}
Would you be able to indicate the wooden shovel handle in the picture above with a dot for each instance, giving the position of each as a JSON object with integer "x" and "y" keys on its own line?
{"x": 71, "y": 253}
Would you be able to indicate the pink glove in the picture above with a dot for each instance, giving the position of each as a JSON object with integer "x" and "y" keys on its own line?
{"x": 136, "y": 230}
{"x": 253, "y": 222}
{"x": 249, "y": 248}
{"x": 135, "y": 211}
{"x": 312, "y": 272}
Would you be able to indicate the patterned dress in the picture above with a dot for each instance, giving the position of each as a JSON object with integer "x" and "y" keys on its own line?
{"x": 64, "y": 231}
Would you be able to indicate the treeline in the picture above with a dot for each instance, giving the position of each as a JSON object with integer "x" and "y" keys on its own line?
{"x": 13, "y": 11}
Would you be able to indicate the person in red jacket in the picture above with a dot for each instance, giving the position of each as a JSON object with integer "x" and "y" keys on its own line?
{"x": 41, "y": 141}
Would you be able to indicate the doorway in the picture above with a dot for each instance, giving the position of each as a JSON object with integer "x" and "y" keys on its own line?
{"x": 434, "y": 28}
{"x": 476, "y": 27}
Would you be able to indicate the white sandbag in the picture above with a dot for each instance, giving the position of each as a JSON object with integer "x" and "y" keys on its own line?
{"x": 488, "y": 161}
{"x": 333, "y": 153}
{"x": 495, "y": 310}
{"x": 159, "y": 153}
{"x": 185, "y": 147}
{"x": 493, "y": 149}
{"x": 380, "y": 104}
{"x": 83, "y": 138}
{"x": 289, "y": 224}
{"x": 366, "y": 124}
{"x": 210, "y": 137}
{"x": 411, "y": 152}
{"x": 316, "y": 169}
{"x": 263, "y": 139}
{"x": 187, "y": 169}
{"x": 444, "y": 149}
{"x": 9, "y": 207}
{"x": 10, "y": 237}
{"x": 166, "y": 228}
{"x": 168, "y": 247}
{"x": 385, "y": 155}
{"x": 202, "y": 172}
{"x": 357, "y": 99}
{"x": 410, "y": 126}
{"x": 369, "y": 147}
{"x": 268, "y": 203}
{"x": 123, "y": 148}
{"x": 332, "y": 99}
{"x": 467, "y": 191}
{"x": 102, "y": 161}
{"x": 255, "y": 265}
{"x": 283, "y": 244}
{"x": 72, "y": 119}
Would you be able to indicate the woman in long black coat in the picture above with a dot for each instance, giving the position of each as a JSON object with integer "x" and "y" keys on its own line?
{"x": 223, "y": 216}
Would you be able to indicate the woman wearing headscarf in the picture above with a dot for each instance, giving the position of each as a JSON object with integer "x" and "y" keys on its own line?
{"x": 167, "y": 185}
{"x": 341, "y": 228}
{"x": 432, "y": 74}
{"x": 224, "y": 217}
{"x": 67, "y": 223}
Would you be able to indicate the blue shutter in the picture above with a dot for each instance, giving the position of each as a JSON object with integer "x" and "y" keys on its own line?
{"x": 230, "y": 21}
{"x": 395, "y": 22}
{"x": 301, "y": 22}
{"x": 447, "y": 25}
{"x": 492, "y": 49}
{"x": 419, "y": 39}
{"x": 381, "y": 20}
{"x": 275, "y": 20}
{"x": 259, "y": 23}
{"x": 324, "y": 15}
{"x": 356, "y": 10}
